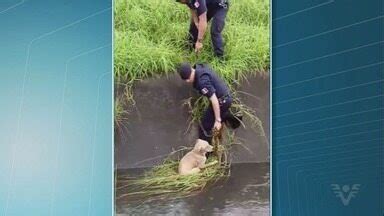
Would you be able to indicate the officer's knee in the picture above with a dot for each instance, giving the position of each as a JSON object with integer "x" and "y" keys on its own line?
{"x": 216, "y": 29}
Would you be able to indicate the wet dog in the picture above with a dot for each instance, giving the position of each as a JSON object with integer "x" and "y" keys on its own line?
{"x": 195, "y": 160}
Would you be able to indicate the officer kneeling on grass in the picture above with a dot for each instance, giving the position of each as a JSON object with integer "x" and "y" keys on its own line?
{"x": 210, "y": 85}
{"x": 201, "y": 12}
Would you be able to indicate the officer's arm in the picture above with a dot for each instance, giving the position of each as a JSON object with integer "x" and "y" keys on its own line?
{"x": 194, "y": 18}
{"x": 216, "y": 107}
{"x": 202, "y": 26}
{"x": 208, "y": 90}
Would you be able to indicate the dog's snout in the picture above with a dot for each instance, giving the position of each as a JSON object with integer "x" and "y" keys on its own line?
{"x": 210, "y": 148}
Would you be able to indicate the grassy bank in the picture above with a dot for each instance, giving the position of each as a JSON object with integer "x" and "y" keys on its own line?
{"x": 150, "y": 39}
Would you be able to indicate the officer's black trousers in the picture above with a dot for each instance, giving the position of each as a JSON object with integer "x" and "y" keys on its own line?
{"x": 208, "y": 120}
{"x": 218, "y": 21}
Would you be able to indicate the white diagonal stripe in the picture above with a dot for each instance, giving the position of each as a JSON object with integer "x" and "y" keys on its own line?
{"x": 328, "y": 118}
{"x": 328, "y": 106}
{"x": 303, "y": 10}
{"x": 328, "y": 75}
{"x": 331, "y": 128}
{"x": 330, "y": 91}
{"x": 326, "y": 147}
{"x": 13, "y": 6}
{"x": 328, "y": 55}
{"x": 94, "y": 142}
{"x": 325, "y": 139}
{"x": 21, "y": 106}
{"x": 58, "y": 143}
{"x": 329, "y": 31}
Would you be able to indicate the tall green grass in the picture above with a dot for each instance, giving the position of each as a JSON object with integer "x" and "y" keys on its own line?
{"x": 150, "y": 38}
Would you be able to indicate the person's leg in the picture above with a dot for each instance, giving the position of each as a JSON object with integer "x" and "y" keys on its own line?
{"x": 218, "y": 22}
{"x": 232, "y": 120}
{"x": 192, "y": 35}
{"x": 224, "y": 111}
{"x": 194, "y": 32}
{"x": 207, "y": 122}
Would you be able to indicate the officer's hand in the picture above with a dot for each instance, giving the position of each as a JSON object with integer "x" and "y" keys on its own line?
{"x": 217, "y": 125}
{"x": 198, "y": 46}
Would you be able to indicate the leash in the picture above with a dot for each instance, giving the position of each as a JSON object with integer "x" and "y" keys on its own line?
{"x": 218, "y": 149}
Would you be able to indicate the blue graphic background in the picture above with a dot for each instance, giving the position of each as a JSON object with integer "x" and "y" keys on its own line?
{"x": 328, "y": 101}
{"x": 56, "y": 107}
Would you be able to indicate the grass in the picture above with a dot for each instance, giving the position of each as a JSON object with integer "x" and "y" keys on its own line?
{"x": 197, "y": 106}
{"x": 120, "y": 112}
{"x": 150, "y": 39}
{"x": 163, "y": 181}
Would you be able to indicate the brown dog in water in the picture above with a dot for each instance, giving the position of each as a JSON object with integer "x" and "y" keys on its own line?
{"x": 194, "y": 160}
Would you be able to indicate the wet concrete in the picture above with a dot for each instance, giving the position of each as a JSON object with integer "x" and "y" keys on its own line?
{"x": 254, "y": 92}
{"x": 246, "y": 192}
{"x": 158, "y": 123}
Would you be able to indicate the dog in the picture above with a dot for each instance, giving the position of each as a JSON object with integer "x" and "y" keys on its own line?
{"x": 195, "y": 160}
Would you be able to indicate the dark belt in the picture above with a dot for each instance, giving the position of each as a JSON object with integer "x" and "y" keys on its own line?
{"x": 224, "y": 99}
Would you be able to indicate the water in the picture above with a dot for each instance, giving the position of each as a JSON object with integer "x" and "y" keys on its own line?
{"x": 246, "y": 192}
{"x": 158, "y": 123}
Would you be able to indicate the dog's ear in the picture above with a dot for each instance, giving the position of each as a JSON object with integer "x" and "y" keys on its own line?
{"x": 207, "y": 147}
{"x": 201, "y": 148}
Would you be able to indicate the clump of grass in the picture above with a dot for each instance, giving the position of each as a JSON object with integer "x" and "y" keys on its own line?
{"x": 120, "y": 113}
{"x": 250, "y": 115}
{"x": 123, "y": 103}
{"x": 197, "y": 106}
{"x": 150, "y": 39}
{"x": 163, "y": 181}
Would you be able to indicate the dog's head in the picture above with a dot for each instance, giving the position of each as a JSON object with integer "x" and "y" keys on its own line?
{"x": 202, "y": 146}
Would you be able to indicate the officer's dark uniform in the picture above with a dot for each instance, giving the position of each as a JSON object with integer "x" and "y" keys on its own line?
{"x": 208, "y": 83}
{"x": 217, "y": 11}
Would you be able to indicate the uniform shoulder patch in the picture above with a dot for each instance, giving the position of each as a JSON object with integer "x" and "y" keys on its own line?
{"x": 204, "y": 91}
{"x": 196, "y": 4}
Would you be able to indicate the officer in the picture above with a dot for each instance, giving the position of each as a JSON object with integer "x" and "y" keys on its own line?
{"x": 201, "y": 12}
{"x": 210, "y": 85}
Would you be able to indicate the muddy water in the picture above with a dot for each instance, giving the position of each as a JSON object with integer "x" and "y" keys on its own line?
{"x": 158, "y": 123}
{"x": 246, "y": 192}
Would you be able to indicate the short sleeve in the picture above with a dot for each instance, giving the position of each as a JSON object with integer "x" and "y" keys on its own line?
{"x": 200, "y": 7}
{"x": 206, "y": 86}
